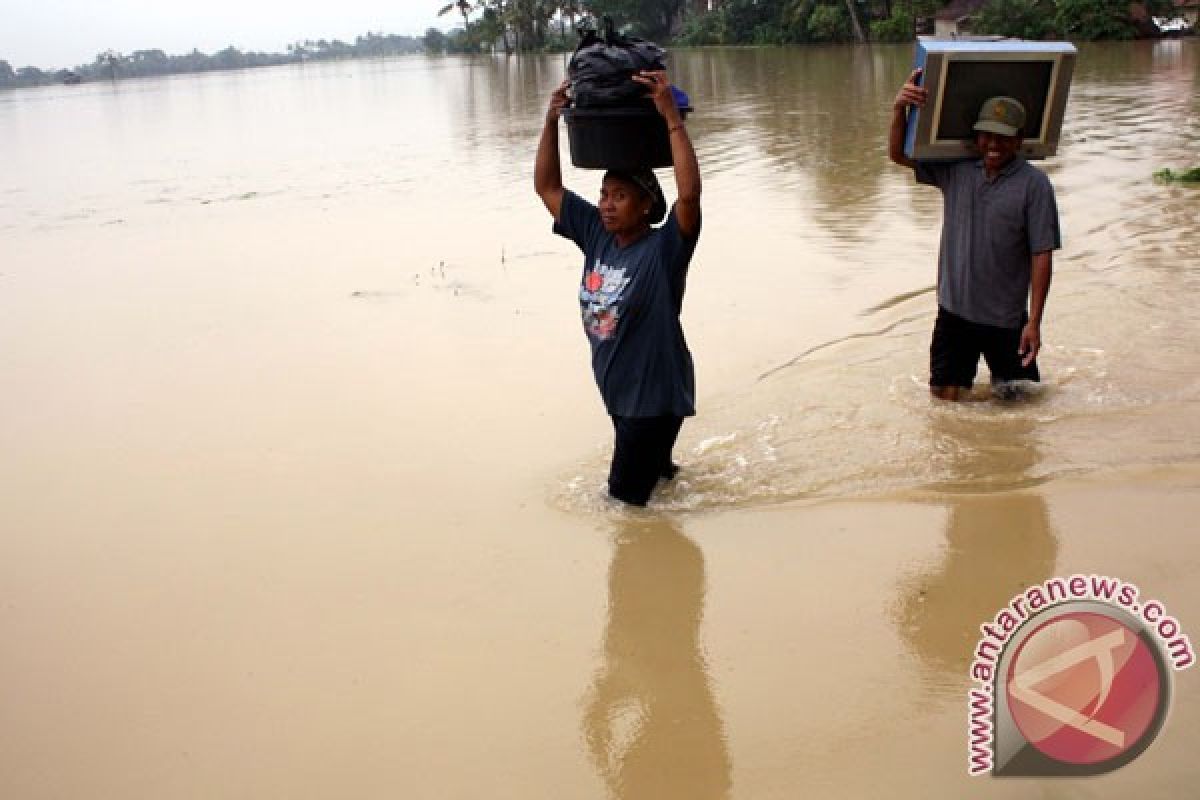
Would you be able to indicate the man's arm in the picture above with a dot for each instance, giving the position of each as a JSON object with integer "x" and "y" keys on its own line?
{"x": 910, "y": 94}
{"x": 687, "y": 168}
{"x": 1031, "y": 335}
{"x": 547, "y": 173}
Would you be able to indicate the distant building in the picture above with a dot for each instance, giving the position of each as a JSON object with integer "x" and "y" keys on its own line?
{"x": 1189, "y": 10}
{"x": 955, "y": 19}
{"x": 1180, "y": 19}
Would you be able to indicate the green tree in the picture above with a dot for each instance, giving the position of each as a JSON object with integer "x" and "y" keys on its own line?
{"x": 464, "y": 7}
{"x": 435, "y": 41}
{"x": 108, "y": 64}
{"x": 148, "y": 62}
{"x": 1021, "y": 19}
{"x": 522, "y": 18}
{"x": 747, "y": 20}
{"x": 229, "y": 58}
{"x": 828, "y": 24}
{"x": 31, "y": 76}
{"x": 793, "y": 20}
{"x": 702, "y": 29}
{"x": 658, "y": 20}
{"x": 1094, "y": 19}
{"x": 8, "y": 77}
{"x": 493, "y": 28}
{"x": 898, "y": 27}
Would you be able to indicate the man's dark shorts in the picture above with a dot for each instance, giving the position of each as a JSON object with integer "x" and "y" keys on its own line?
{"x": 642, "y": 456}
{"x": 958, "y": 343}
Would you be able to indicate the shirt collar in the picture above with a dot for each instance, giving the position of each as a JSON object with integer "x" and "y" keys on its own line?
{"x": 1012, "y": 166}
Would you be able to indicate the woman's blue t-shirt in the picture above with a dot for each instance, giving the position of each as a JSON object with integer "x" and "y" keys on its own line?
{"x": 630, "y": 298}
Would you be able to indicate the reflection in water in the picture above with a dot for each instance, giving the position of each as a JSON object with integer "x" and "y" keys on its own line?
{"x": 809, "y": 120}
{"x": 997, "y": 544}
{"x": 650, "y": 720}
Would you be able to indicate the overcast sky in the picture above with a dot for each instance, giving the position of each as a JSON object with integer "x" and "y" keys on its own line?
{"x": 65, "y": 33}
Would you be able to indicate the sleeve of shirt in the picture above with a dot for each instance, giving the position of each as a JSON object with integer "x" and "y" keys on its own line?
{"x": 579, "y": 221}
{"x": 677, "y": 251}
{"x": 1041, "y": 217}
{"x": 932, "y": 173}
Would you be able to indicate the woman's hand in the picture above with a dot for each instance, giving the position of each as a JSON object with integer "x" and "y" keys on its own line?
{"x": 683, "y": 155}
{"x": 659, "y": 90}
{"x": 558, "y": 101}
{"x": 547, "y": 175}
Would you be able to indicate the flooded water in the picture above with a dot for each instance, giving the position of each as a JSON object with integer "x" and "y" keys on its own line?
{"x": 300, "y": 492}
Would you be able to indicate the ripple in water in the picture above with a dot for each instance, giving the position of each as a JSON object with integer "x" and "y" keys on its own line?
{"x": 855, "y": 418}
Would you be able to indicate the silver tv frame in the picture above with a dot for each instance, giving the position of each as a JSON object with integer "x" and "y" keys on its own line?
{"x": 925, "y": 142}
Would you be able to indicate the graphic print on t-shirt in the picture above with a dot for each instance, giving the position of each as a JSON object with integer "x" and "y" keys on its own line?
{"x": 600, "y": 297}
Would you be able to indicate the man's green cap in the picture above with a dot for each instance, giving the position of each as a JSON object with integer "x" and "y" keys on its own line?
{"x": 1001, "y": 115}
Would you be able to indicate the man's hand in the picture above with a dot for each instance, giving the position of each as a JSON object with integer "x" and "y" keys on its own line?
{"x": 558, "y": 101}
{"x": 1031, "y": 342}
{"x": 910, "y": 93}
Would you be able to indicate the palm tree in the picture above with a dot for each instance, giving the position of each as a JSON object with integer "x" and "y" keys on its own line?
{"x": 465, "y": 7}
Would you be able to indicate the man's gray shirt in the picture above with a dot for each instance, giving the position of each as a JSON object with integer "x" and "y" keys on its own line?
{"x": 990, "y": 231}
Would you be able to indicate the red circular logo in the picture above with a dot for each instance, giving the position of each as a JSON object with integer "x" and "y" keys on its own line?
{"x": 1083, "y": 688}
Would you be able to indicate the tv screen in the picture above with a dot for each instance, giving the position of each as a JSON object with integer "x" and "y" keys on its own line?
{"x": 970, "y": 83}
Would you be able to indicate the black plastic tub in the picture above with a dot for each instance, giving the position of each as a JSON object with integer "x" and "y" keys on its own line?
{"x": 618, "y": 138}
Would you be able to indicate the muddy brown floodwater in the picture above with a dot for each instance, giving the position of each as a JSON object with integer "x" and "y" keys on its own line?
{"x": 301, "y": 461}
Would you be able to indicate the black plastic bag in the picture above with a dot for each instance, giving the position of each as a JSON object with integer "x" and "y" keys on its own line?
{"x": 602, "y": 67}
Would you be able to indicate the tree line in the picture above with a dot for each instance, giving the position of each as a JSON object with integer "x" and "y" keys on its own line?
{"x": 800, "y": 21}
{"x": 508, "y": 25}
{"x": 111, "y": 65}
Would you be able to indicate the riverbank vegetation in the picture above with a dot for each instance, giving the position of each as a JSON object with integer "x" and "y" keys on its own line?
{"x": 539, "y": 25}
{"x": 511, "y": 26}
{"x": 1190, "y": 177}
{"x": 111, "y": 65}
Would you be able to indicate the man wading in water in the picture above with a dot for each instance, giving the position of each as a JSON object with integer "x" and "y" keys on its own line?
{"x": 631, "y": 292}
{"x": 1000, "y": 225}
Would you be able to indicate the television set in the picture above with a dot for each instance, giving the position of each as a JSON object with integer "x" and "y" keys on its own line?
{"x": 961, "y": 74}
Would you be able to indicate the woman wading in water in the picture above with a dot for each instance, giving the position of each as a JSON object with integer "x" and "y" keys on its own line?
{"x": 631, "y": 292}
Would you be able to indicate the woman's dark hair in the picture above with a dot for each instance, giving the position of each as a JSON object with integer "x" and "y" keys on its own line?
{"x": 646, "y": 183}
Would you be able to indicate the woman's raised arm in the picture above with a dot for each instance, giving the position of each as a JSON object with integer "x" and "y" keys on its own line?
{"x": 687, "y": 169}
{"x": 547, "y": 173}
